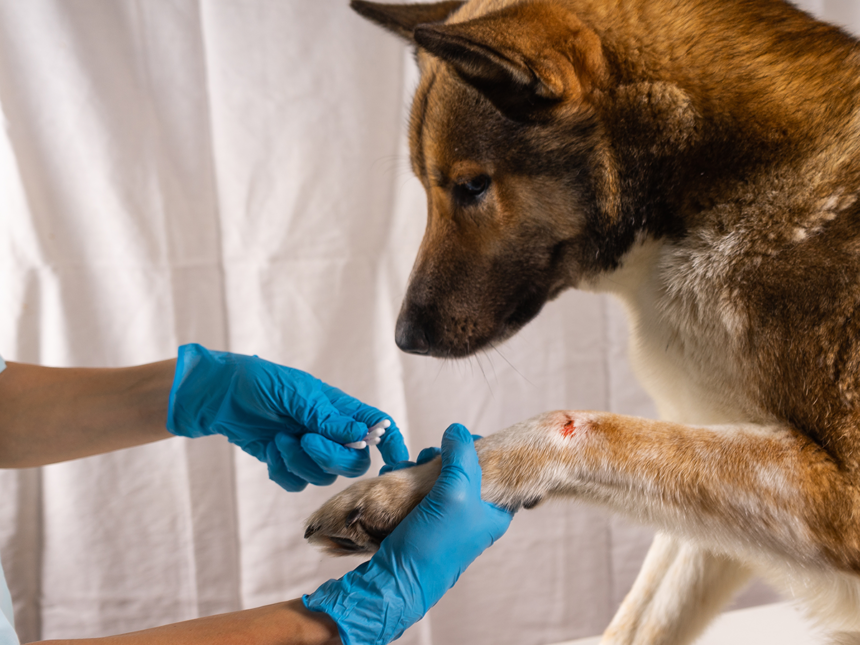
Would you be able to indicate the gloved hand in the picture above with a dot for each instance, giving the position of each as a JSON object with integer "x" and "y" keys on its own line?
{"x": 286, "y": 418}
{"x": 422, "y": 558}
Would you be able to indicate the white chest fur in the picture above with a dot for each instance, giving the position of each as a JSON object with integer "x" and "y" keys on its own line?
{"x": 683, "y": 335}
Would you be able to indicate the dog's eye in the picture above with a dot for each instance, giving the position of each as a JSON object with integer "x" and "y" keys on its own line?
{"x": 470, "y": 191}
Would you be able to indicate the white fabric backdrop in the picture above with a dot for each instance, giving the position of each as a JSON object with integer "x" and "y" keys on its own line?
{"x": 235, "y": 174}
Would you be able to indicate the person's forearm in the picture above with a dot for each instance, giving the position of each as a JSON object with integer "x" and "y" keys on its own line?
{"x": 56, "y": 414}
{"x": 286, "y": 623}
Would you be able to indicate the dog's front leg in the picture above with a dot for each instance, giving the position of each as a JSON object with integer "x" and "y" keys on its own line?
{"x": 761, "y": 493}
{"x": 680, "y": 589}
{"x": 744, "y": 490}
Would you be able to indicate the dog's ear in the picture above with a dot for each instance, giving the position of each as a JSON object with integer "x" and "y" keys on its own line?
{"x": 525, "y": 58}
{"x": 401, "y": 19}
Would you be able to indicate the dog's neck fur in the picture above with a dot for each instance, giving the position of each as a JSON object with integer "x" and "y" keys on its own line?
{"x": 669, "y": 104}
{"x": 676, "y": 95}
{"x": 658, "y": 40}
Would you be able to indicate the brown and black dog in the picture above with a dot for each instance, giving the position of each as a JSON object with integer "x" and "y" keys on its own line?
{"x": 699, "y": 159}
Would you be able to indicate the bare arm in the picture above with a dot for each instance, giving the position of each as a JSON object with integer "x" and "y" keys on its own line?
{"x": 50, "y": 414}
{"x": 286, "y": 623}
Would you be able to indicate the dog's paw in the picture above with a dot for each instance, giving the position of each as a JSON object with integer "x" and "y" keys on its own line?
{"x": 356, "y": 521}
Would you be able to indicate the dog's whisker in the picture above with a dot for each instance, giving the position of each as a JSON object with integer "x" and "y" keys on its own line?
{"x": 392, "y": 164}
{"x": 511, "y": 365}
{"x": 484, "y": 374}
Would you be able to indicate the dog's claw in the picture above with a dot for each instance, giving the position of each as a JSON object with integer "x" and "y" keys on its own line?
{"x": 353, "y": 517}
{"x": 375, "y": 534}
{"x": 346, "y": 544}
{"x": 531, "y": 503}
{"x": 310, "y": 531}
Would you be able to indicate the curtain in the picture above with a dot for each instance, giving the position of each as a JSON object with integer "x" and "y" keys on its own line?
{"x": 236, "y": 174}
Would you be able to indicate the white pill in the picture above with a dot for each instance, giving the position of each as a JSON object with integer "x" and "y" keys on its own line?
{"x": 382, "y": 425}
{"x": 372, "y": 437}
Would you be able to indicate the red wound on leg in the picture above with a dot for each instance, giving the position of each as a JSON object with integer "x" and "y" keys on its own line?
{"x": 568, "y": 429}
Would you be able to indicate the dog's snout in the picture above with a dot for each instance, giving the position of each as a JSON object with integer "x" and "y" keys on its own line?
{"x": 411, "y": 337}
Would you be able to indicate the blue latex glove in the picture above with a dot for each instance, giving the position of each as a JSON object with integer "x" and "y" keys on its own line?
{"x": 422, "y": 558}
{"x": 286, "y": 418}
{"x": 424, "y": 456}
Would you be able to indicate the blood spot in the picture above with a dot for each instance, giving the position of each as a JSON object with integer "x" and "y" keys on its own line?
{"x": 568, "y": 429}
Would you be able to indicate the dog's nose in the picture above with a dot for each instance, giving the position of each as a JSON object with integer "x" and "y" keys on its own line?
{"x": 411, "y": 338}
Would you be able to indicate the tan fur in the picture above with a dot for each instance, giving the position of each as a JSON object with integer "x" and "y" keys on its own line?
{"x": 699, "y": 160}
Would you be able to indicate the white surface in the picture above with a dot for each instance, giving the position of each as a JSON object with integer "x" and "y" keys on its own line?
{"x": 778, "y": 624}
{"x": 235, "y": 174}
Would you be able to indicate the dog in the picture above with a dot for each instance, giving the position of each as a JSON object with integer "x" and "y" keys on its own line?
{"x": 699, "y": 160}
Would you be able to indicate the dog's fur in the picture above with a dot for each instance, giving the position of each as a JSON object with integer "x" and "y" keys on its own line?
{"x": 701, "y": 161}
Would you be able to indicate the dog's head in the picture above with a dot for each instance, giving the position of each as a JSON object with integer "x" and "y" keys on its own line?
{"x": 505, "y": 139}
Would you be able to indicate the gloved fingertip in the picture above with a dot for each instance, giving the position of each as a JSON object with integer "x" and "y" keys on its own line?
{"x": 428, "y": 454}
{"x": 334, "y": 458}
{"x": 455, "y": 437}
{"x": 392, "y": 447}
{"x": 274, "y": 455}
{"x": 298, "y": 462}
{"x": 457, "y": 432}
{"x": 279, "y": 474}
{"x": 400, "y": 465}
{"x": 343, "y": 430}
{"x": 283, "y": 444}
{"x": 291, "y": 484}
{"x": 458, "y": 448}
